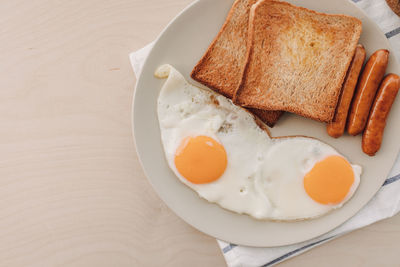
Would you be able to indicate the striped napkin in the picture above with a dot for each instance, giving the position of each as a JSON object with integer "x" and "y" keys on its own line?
{"x": 386, "y": 202}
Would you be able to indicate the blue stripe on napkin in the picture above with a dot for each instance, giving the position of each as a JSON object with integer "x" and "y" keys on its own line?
{"x": 232, "y": 246}
{"x": 228, "y": 248}
{"x": 387, "y": 182}
{"x": 392, "y": 180}
{"x": 281, "y": 258}
{"x": 388, "y": 34}
{"x": 392, "y": 33}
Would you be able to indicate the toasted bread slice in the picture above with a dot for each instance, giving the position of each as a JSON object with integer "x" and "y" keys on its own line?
{"x": 297, "y": 60}
{"x": 221, "y": 66}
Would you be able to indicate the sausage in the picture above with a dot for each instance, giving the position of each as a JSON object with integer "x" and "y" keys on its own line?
{"x": 367, "y": 86}
{"x": 373, "y": 134}
{"x": 336, "y": 127}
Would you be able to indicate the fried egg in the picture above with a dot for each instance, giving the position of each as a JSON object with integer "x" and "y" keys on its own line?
{"x": 217, "y": 149}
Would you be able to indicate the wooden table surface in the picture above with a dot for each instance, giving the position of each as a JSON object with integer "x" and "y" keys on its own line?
{"x": 72, "y": 192}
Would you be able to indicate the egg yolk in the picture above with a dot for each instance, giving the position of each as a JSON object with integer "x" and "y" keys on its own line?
{"x": 200, "y": 159}
{"x": 330, "y": 180}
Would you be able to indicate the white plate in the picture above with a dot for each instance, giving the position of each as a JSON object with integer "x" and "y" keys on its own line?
{"x": 182, "y": 44}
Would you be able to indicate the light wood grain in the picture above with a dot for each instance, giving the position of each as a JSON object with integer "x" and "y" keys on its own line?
{"x": 72, "y": 192}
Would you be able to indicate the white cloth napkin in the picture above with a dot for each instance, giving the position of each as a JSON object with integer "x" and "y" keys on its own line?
{"x": 386, "y": 202}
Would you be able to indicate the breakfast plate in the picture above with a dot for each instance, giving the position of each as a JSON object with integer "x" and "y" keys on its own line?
{"x": 182, "y": 44}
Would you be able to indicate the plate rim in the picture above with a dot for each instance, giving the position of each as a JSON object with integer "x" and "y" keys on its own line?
{"x": 160, "y": 195}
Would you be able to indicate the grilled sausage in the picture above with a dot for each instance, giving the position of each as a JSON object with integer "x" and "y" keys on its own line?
{"x": 336, "y": 127}
{"x": 373, "y": 134}
{"x": 367, "y": 86}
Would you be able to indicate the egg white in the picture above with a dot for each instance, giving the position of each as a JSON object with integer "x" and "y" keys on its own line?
{"x": 264, "y": 176}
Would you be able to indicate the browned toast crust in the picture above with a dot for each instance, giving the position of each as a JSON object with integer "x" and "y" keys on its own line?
{"x": 270, "y": 81}
{"x": 221, "y": 66}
